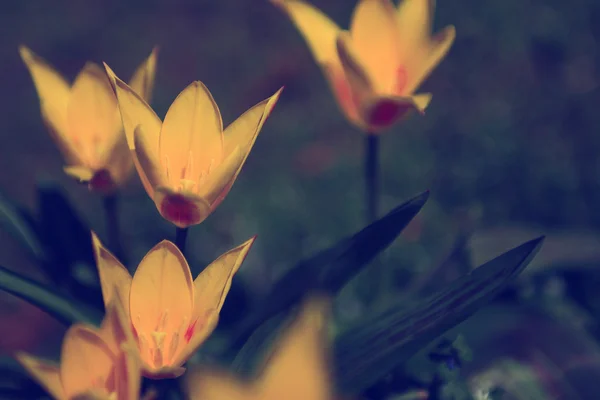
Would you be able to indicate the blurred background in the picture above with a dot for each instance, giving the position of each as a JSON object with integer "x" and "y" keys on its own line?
{"x": 508, "y": 148}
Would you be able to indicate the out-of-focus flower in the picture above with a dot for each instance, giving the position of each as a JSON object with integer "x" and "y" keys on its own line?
{"x": 375, "y": 67}
{"x": 171, "y": 314}
{"x": 84, "y": 119}
{"x": 100, "y": 364}
{"x": 297, "y": 368}
{"x": 188, "y": 163}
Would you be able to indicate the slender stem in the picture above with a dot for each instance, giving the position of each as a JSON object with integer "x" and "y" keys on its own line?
{"x": 181, "y": 238}
{"x": 111, "y": 215}
{"x": 371, "y": 176}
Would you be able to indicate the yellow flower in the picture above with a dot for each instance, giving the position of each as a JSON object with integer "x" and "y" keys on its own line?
{"x": 296, "y": 370}
{"x": 188, "y": 163}
{"x": 99, "y": 364}
{"x": 375, "y": 67}
{"x": 171, "y": 314}
{"x": 84, "y": 120}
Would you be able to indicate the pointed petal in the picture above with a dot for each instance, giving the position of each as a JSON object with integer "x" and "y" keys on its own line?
{"x": 161, "y": 291}
{"x": 437, "y": 48}
{"x": 128, "y": 374}
{"x": 120, "y": 161}
{"x": 115, "y": 280}
{"x": 85, "y": 359}
{"x": 318, "y": 30}
{"x": 54, "y": 93}
{"x": 209, "y": 384}
{"x": 180, "y": 208}
{"x": 210, "y": 290}
{"x": 92, "y": 115}
{"x": 191, "y": 139}
{"x": 384, "y": 111}
{"x": 150, "y": 169}
{"x": 220, "y": 178}
{"x": 142, "y": 81}
{"x": 134, "y": 110}
{"x": 116, "y": 326}
{"x": 414, "y": 19}
{"x": 80, "y": 173}
{"x": 45, "y": 373}
{"x": 375, "y": 37}
{"x": 298, "y": 368}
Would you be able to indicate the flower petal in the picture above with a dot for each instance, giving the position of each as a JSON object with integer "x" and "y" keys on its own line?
{"x": 45, "y": 373}
{"x": 54, "y": 93}
{"x": 183, "y": 209}
{"x": 80, "y": 173}
{"x": 86, "y": 361}
{"x": 210, "y": 290}
{"x": 318, "y": 30}
{"x": 128, "y": 374}
{"x": 120, "y": 161}
{"x": 298, "y": 368}
{"x": 383, "y": 111}
{"x": 191, "y": 139}
{"x": 146, "y": 154}
{"x": 93, "y": 116}
{"x": 209, "y": 384}
{"x": 115, "y": 280}
{"x": 415, "y": 18}
{"x": 142, "y": 81}
{"x": 116, "y": 326}
{"x": 221, "y": 178}
{"x": 437, "y": 49}
{"x": 375, "y": 37}
{"x": 161, "y": 291}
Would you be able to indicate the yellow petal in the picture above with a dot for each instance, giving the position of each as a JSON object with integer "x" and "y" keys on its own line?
{"x": 191, "y": 139}
{"x": 414, "y": 19}
{"x": 221, "y": 178}
{"x": 162, "y": 291}
{"x": 115, "y": 280}
{"x": 142, "y": 81}
{"x": 210, "y": 290}
{"x": 128, "y": 374}
{"x": 146, "y": 154}
{"x": 318, "y": 30}
{"x": 298, "y": 368}
{"x": 116, "y": 326}
{"x": 93, "y": 116}
{"x": 437, "y": 49}
{"x": 205, "y": 384}
{"x": 80, "y": 173}
{"x": 183, "y": 209}
{"x": 375, "y": 38}
{"x": 86, "y": 361}
{"x": 54, "y": 93}
{"x": 120, "y": 161}
{"x": 384, "y": 111}
{"x": 45, "y": 373}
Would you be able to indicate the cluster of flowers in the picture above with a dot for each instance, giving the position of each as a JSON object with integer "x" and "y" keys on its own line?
{"x": 187, "y": 163}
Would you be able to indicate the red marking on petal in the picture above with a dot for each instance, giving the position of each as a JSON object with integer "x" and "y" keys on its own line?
{"x": 102, "y": 182}
{"x": 385, "y": 113}
{"x": 179, "y": 210}
{"x": 401, "y": 79}
{"x": 190, "y": 332}
{"x": 344, "y": 94}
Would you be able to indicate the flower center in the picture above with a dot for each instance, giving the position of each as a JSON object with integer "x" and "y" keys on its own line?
{"x": 189, "y": 180}
{"x": 159, "y": 346}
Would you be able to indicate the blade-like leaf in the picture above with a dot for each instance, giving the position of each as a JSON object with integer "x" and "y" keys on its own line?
{"x": 20, "y": 226}
{"x": 331, "y": 269}
{"x": 366, "y": 354}
{"x": 63, "y": 309}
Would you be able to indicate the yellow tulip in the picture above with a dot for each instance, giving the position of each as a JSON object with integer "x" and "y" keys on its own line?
{"x": 375, "y": 67}
{"x": 84, "y": 120}
{"x": 99, "y": 364}
{"x": 188, "y": 163}
{"x": 297, "y": 368}
{"x": 171, "y": 314}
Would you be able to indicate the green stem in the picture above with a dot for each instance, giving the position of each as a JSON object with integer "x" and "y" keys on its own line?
{"x": 181, "y": 238}
{"x": 377, "y": 275}
{"x": 111, "y": 215}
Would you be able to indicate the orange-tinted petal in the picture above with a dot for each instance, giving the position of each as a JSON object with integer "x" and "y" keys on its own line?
{"x": 142, "y": 81}
{"x": 146, "y": 154}
{"x": 80, "y": 173}
{"x": 414, "y": 18}
{"x": 191, "y": 139}
{"x": 128, "y": 374}
{"x": 45, "y": 373}
{"x": 116, "y": 326}
{"x": 318, "y": 30}
{"x": 92, "y": 115}
{"x": 375, "y": 38}
{"x": 182, "y": 209}
{"x": 382, "y": 112}
{"x": 210, "y": 290}
{"x": 298, "y": 368}
{"x": 211, "y": 188}
{"x": 114, "y": 277}
{"x": 120, "y": 161}
{"x": 161, "y": 291}
{"x": 205, "y": 384}
{"x": 86, "y": 361}
{"x": 54, "y": 93}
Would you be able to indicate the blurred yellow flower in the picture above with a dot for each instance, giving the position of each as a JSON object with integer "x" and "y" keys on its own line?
{"x": 296, "y": 370}
{"x": 84, "y": 120}
{"x": 100, "y": 364}
{"x": 171, "y": 314}
{"x": 188, "y": 163}
{"x": 375, "y": 67}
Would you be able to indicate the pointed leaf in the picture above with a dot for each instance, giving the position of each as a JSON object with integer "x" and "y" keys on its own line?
{"x": 20, "y": 225}
{"x": 383, "y": 342}
{"x": 331, "y": 269}
{"x": 65, "y": 310}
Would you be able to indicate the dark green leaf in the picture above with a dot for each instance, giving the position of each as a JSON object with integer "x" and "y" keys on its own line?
{"x": 19, "y": 225}
{"x": 331, "y": 269}
{"x": 366, "y": 354}
{"x": 65, "y": 310}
